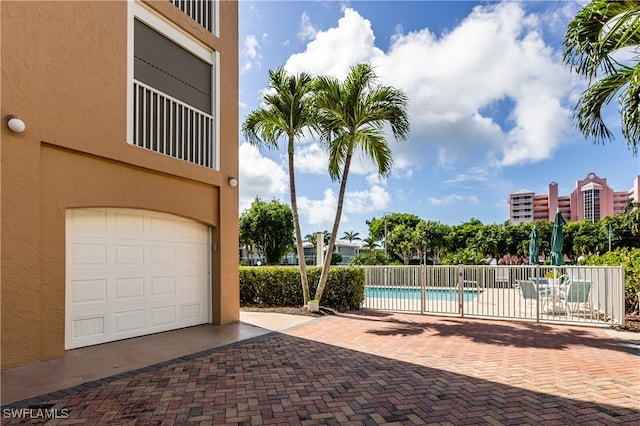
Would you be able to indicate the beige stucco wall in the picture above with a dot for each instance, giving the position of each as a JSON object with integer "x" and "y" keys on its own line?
{"x": 64, "y": 72}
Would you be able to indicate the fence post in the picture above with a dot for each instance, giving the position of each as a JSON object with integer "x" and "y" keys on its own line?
{"x": 423, "y": 287}
{"x": 621, "y": 299}
{"x": 461, "y": 290}
{"x": 537, "y": 280}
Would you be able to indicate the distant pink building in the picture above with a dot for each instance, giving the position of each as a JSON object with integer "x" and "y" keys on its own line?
{"x": 592, "y": 199}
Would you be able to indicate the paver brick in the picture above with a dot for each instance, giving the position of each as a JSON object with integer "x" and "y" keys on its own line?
{"x": 377, "y": 369}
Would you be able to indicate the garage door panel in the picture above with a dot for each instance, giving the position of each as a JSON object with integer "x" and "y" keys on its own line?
{"x": 132, "y": 274}
{"x": 163, "y": 227}
{"x": 128, "y": 255}
{"x": 91, "y": 219}
{"x": 91, "y": 254}
{"x": 127, "y": 289}
{"x": 163, "y": 286}
{"x": 191, "y": 283}
{"x": 130, "y": 223}
{"x": 190, "y": 312}
{"x": 163, "y": 255}
{"x": 90, "y": 328}
{"x": 88, "y": 291}
{"x": 190, "y": 230}
{"x": 192, "y": 256}
{"x": 163, "y": 316}
{"x": 127, "y": 322}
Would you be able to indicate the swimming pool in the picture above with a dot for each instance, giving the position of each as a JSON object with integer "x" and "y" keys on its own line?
{"x": 435, "y": 294}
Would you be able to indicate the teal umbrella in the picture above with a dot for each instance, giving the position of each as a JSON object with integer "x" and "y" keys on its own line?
{"x": 557, "y": 258}
{"x": 534, "y": 247}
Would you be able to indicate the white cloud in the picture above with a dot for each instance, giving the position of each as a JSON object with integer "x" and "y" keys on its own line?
{"x": 453, "y": 198}
{"x": 311, "y": 159}
{"x": 350, "y": 42}
{"x": 307, "y": 31}
{"x": 473, "y": 175}
{"x": 250, "y": 52}
{"x": 374, "y": 179}
{"x": 459, "y": 85}
{"x": 321, "y": 213}
{"x": 260, "y": 176}
{"x": 372, "y": 200}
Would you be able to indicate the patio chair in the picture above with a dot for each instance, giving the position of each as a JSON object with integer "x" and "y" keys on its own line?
{"x": 529, "y": 290}
{"x": 552, "y": 303}
{"x": 575, "y": 293}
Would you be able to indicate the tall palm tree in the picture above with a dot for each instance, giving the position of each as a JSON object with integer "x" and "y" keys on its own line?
{"x": 593, "y": 44}
{"x": 352, "y": 117}
{"x": 287, "y": 114}
{"x": 351, "y": 236}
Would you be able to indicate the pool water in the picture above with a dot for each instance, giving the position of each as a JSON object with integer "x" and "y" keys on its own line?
{"x": 435, "y": 294}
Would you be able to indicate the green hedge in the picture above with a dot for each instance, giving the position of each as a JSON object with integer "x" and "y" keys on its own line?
{"x": 630, "y": 259}
{"x": 280, "y": 286}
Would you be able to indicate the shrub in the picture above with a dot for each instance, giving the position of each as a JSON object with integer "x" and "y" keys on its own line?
{"x": 630, "y": 259}
{"x": 369, "y": 258}
{"x": 280, "y": 286}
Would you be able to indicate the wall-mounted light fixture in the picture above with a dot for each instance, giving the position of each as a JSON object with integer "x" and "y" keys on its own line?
{"x": 16, "y": 125}
{"x": 233, "y": 181}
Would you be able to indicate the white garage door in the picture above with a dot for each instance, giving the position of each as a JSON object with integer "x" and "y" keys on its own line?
{"x": 131, "y": 273}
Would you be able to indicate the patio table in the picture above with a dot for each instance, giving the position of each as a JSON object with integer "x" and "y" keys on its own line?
{"x": 553, "y": 295}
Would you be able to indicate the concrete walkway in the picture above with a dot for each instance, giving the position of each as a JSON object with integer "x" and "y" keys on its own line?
{"x": 91, "y": 363}
{"x": 370, "y": 368}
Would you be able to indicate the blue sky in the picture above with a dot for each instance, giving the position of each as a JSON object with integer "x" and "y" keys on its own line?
{"x": 490, "y": 106}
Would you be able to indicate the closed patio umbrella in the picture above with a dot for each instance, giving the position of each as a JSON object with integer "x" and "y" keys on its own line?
{"x": 534, "y": 247}
{"x": 557, "y": 258}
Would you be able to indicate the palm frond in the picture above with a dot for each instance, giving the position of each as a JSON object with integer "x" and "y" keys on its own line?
{"x": 374, "y": 145}
{"x": 589, "y": 108}
{"x": 339, "y": 148}
{"x": 597, "y": 30}
{"x": 287, "y": 111}
{"x": 630, "y": 107}
{"x": 353, "y": 115}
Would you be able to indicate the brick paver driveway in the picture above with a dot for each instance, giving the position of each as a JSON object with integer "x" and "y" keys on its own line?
{"x": 378, "y": 369}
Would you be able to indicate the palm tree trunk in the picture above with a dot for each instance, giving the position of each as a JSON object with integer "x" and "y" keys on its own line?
{"x": 336, "y": 224}
{"x": 296, "y": 225}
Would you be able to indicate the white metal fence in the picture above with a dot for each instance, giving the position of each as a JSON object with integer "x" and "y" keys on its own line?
{"x": 575, "y": 294}
{"x": 166, "y": 125}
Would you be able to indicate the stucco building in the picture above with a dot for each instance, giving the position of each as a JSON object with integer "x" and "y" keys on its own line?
{"x": 119, "y": 197}
{"x": 591, "y": 199}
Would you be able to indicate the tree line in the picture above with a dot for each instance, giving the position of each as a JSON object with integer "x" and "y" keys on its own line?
{"x": 410, "y": 239}
{"x": 404, "y": 238}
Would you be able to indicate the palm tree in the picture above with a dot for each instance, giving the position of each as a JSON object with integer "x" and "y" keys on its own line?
{"x": 599, "y": 32}
{"x": 351, "y": 236}
{"x": 370, "y": 243}
{"x": 352, "y": 116}
{"x": 287, "y": 114}
{"x": 632, "y": 217}
{"x": 311, "y": 238}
